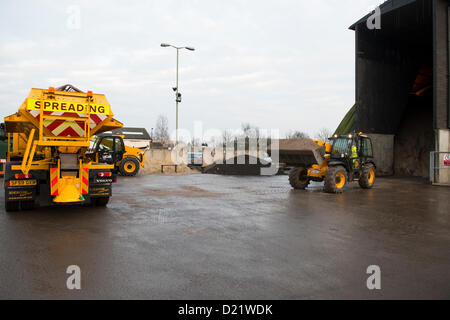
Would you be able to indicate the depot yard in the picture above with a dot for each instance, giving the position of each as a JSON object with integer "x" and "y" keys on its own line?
{"x": 208, "y": 236}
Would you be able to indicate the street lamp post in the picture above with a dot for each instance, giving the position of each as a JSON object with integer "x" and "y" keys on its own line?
{"x": 176, "y": 89}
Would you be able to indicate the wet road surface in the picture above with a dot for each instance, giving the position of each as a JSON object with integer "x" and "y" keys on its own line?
{"x": 212, "y": 237}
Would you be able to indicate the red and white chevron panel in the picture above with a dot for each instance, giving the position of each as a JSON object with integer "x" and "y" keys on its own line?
{"x": 64, "y": 128}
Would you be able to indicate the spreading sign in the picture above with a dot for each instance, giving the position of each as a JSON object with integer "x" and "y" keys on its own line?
{"x": 65, "y": 106}
{"x": 447, "y": 160}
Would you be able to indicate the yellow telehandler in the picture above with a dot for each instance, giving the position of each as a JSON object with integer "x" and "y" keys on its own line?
{"x": 347, "y": 158}
{"x": 132, "y": 160}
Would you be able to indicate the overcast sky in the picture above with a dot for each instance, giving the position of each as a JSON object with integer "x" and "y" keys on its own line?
{"x": 275, "y": 64}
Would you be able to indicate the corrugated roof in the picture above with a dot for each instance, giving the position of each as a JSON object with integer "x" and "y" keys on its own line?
{"x": 131, "y": 133}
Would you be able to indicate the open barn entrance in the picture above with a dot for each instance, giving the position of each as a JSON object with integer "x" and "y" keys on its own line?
{"x": 394, "y": 82}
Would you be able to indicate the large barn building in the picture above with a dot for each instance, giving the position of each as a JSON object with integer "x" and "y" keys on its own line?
{"x": 402, "y": 83}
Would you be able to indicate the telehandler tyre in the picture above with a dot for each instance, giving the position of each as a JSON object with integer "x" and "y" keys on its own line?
{"x": 298, "y": 178}
{"x": 335, "y": 179}
{"x": 367, "y": 177}
{"x": 129, "y": 166}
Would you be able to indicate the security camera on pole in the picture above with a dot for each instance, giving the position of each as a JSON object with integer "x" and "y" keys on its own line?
{"x": 177, "y": 94}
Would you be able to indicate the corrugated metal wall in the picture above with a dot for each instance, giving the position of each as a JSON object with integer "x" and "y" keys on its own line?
{"x": 412, "y": 38}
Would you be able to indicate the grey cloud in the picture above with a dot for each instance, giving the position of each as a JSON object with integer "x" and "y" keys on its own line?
{"x": 275, "y": 64}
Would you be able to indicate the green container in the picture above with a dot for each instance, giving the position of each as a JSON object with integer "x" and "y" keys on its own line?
{"x": 3, "y": 149}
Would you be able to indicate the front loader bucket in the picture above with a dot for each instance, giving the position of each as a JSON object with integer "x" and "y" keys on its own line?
{"x": 304, "y": 158}
{"x": 299, "y": 152}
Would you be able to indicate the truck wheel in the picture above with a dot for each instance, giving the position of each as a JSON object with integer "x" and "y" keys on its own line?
{"x": 11, "y": 206}
{"x": 129, "y": 166}
{"x": 335, "y": 179}
{"x": 102, "y": 202}
{"x": 367, "y": 178}
{"x": 298, "y": 178}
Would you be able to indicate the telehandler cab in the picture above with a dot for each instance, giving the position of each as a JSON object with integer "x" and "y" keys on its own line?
{"x": 113, "y": 150}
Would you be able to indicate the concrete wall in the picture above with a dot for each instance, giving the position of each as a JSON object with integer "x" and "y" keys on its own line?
{"x": 444, "y": 140}
{"x": 383, "y": 151}
{"x": 209, "y": 156}
{"x": 159, "y": 155}
{"x": 443, "y": 145}
{"x": 154, "y": 158}
{"x": 441, "y": 66}
{"x": 441, "y": 89}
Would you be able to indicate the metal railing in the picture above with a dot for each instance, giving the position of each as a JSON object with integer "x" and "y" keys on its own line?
{"x": 440, "y": 168}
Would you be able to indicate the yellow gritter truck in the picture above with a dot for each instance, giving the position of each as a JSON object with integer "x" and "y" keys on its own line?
{"x": 49, "y": 160}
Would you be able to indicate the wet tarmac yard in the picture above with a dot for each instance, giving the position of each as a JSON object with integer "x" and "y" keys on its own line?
{"x": 225, "y": 237}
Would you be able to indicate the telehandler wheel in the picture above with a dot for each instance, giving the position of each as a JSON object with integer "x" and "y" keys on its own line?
{"x": 102, "y": 202}
{"x": 298, "y": 178}
{"x": 11, "y": 206}
{"x": 367, "y": 178}
{"x": 335, "y": 179}
{"x": 129, "y": 166}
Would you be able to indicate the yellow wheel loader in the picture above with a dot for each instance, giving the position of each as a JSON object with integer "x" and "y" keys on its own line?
{"x": 347, "y": 158}
{"x": 132, "y": 159}
{"x": 48, "y": 157}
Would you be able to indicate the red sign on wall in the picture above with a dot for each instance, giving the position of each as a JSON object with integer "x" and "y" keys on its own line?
{"x": 447, "y": 160}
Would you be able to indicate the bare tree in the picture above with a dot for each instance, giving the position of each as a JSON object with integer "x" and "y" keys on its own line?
{"x": 296, "y": 134}
{"x": 162, "y": 129}
{"x": 195, "y": 142}
{"x": 245, "y": 126}
{"x": 226, "y": 137}
{"x": 249, "y": 130}
{"x": 323, "y": 135}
